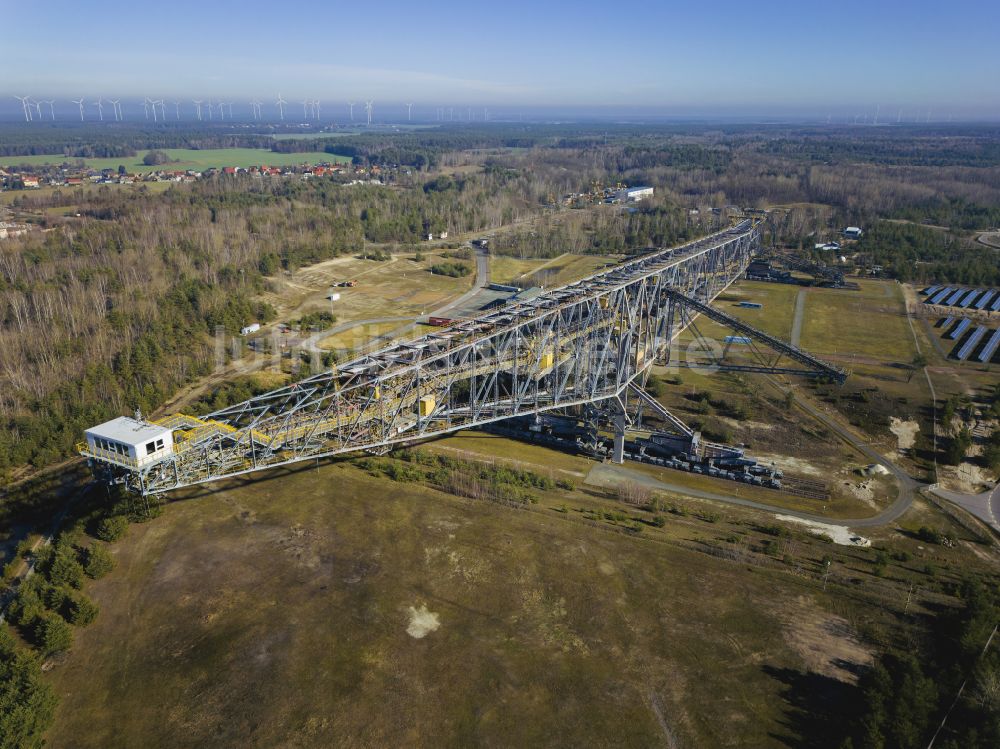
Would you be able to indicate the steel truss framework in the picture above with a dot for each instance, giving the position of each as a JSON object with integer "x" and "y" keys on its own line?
{"x": 581, "y": 343}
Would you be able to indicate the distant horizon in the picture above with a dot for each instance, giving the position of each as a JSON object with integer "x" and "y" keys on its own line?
{"x": 676, "y": 60}
{"x": 337, "y": 112}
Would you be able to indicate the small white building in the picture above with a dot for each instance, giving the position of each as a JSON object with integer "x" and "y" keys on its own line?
{"x": 129, "y": 442}
{"x": 252, "y": 328}
{"x": 634, "y": 194}
{"x": 853, "y": 232}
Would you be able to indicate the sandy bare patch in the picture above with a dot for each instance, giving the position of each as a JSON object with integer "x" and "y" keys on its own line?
{"x": 422, "y": 622}
{"x": 839, "y": 534}
{"x": 966, "y": 478}
{"x": 826, "y": 642}
{"x": 862, "y": 491}
{"x": 905, "y": 431}
{"x": 737, "y": 424}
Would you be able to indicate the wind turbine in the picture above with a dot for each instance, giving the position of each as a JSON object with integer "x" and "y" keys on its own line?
{"x": 24, "y": 106}
{"x": 197, "y": 104}
{"x": 79, "y": 103}
{"x": 38, "y": 108}
{"x": 281, "y": 106}
{"x": 209, "y": 105}
{"x": 229, "y": 106}
{"x": 145, "y": 107}
{"x": 152, "y": 104}
{"x": 369, "y": 106}
{"x": 316, "y": 109}
{"x": 255, "y": 109}
{"x": 409, "y": 111}
{"x": 52, "y": 109}
{"x": 177, "y": 109}
{"x": 222, "y": 110}
{"x": 100, "y": 108}
{"x": 118, "y": 109}
{"x": 305, "y": 105}
{"x": 351, "y": 105}
{"x": 163, "y": 113}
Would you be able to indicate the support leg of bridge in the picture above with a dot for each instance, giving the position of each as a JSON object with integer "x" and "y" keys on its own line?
{"x": 619, "y": 452}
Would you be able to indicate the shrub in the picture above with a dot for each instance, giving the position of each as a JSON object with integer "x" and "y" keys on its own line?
{"x": 455, "y": 270}
{"x": 112, "y": 528}
{"x": 52, "y": 634}
{"x": 64, "y": 569}
{"x": 930, "y": 535}
{"x": 99, "y": 561}
{"x": 26, "y": 606}
{"x": 79, "y": 610}
{"x": 56, "y": 598}
{"x": 155, "y": 158}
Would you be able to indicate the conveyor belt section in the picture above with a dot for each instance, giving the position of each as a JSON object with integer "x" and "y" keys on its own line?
{"x": 813, "y": 366}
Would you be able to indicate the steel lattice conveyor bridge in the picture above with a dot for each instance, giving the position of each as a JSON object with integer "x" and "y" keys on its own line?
{"x": 584, "y": 343}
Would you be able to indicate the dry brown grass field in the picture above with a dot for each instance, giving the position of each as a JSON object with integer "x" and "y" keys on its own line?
{"x": 327, "y": 607}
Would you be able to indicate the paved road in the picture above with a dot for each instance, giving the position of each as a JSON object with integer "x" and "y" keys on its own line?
{"x": 482, "y": 281}
{"x": 800, "y": 307}
{"x": 990, "y": 239}
{"x": 985, "y": 506}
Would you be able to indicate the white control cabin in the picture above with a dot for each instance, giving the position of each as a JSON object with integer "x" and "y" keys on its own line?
{"x": 128, "y": 442}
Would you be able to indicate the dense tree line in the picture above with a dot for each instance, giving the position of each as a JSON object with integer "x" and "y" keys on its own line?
{"x": 611, "y": 230}
{"x": 45, "y": 609}
{"x": 85, "y": 140}
{"x": 910, "y": 689}
{"x": 27, "y": 703}
{"x": 911, "y": 252}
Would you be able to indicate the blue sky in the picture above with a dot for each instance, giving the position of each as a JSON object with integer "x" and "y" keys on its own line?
{"x": 689, "y": 58}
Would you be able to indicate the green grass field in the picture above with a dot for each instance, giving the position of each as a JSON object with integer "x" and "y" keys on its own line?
{"x": 866, "y": 323}
{"x": 187, "y": 158}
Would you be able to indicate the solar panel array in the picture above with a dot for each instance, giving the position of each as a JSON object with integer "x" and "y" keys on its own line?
{"x": 990, "y": 348}
{"x": 967, "y": 299}
{"x": 940, "y": 295}
{"x": 969, "y": 346}
{"x": 953, "y": 296}
{"x": 959, "y": 329}
{"x": 984, "y": 299}
{"x": 944, "y": 322}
